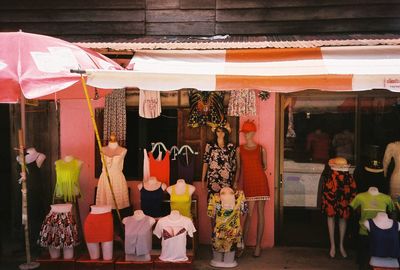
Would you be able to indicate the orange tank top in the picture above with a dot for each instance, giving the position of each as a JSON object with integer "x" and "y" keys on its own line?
{"x": 160, "y": 168}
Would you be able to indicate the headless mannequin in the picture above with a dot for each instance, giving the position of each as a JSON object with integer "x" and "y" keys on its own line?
{"x": 55, "y": 253}
{"x": 180, "y": 187}
{"x": 139, "y": 215}
{"x": 151, "y": 184}
{"x": 342, "y": 221}
{"x": 250, "y": 145}
{"x": 383, "y": 222}
{"x": 225, "y": 259}
{"x": 106, "y": 247}
{"x": 174, "y": 215}
{"x": 393, "y": 151}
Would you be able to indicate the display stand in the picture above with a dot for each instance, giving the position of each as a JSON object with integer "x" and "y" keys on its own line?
{"x": 186, "y": 265}
{"x": 85, "y": 263}
{"x": 122, "y": 264}
{"x": 47, "y": 263}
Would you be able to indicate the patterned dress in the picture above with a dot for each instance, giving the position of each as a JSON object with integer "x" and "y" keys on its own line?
{"x": 227, "y": 233}
{"x": 338, "y": 190}
{"x": 221, "y": 165}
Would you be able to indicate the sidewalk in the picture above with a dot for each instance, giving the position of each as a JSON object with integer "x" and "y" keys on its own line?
{"x": 283, "y": 258}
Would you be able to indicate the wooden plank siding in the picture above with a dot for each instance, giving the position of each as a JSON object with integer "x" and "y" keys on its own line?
{"x": 97, "y": 20}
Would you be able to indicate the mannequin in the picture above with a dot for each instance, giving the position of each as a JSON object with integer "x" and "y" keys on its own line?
{"x": 318, "y": 144}
{"x": 138, "y": 231}
{"x": 151, "y": 196}
{"x": 226, "y": 206}
{"x": 67, "y": 185}
{"x": 384, "y": 241}
{"x": 251, "y": 163}
{"x": 370, "y": 203}
{"x": 98, "y": 229}
{"x": 337, "y": 191}
{"x": 173, "y": 230}
{"x": 59, "y": 231}
{"x": 181, "y": 197}
{"x": 114, "y": 157}
{"x": 393, "y": 151}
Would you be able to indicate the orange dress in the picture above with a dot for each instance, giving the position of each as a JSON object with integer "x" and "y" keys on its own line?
{"x": 255, "y": 182}
{"x": 160, "y": 168}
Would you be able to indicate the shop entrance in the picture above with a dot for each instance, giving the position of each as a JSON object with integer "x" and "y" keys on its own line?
{"x": 317, "y": 126}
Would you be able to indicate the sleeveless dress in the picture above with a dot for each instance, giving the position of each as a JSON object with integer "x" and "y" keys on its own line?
{"x": 255, "y": 182}
{"x": 181, "y": 202}
{"x": 67, "y": 184}
{"x": 115, "y": 165}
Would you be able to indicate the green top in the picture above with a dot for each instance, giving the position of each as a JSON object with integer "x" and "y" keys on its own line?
{"x": 67, "y": 185}
{"x": 370, "y": 206}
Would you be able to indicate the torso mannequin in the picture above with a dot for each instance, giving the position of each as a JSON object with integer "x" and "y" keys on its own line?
{"x": 181, "y": 197}
{"x": 393, "y": 151}
{"x": 61, "y": 208}
{"x": 68, "y": 170}
{"x": 151, "y": 197}
{"x": 382, "y": 222}
{"x": 151, "y": 184}
{"x": 180, "y": 187}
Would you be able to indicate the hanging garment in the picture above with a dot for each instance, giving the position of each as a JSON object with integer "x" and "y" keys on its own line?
{"x": 186, "y": 168}
{"x": 138, "y": 235}
{"x": 337, "y": 192}
{"x": 173, "y": 237}
{"x": 67, "y": 183}
{"x": 182, "y": 202}
{"x": 151, "y": 202}
{"x": 206, "y": 108}
{"x": 99, "y": 228}
{"x": 160, "y": 168}
{"x": 242, "y": 103}
{"x": 149, "y": 104}
{"x": 115, "y": 165}
{"x": 146, "y": 165}
{"x": 173, "y": 168}
{"x": 58, "y": 231}
{"x": 221, "y": 165}
{"x": 115, "y": 116}
{"x": 255, "y": 182}
{"x": 227, "y": 232}
{"x": 384, "y": 242}
{"x": 370, "y": 205}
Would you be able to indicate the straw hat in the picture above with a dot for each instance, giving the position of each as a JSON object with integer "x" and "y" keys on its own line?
{"x": 339, "y": 164}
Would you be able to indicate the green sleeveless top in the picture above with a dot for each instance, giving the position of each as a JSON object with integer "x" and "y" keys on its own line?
{"x": 67, "y": 184}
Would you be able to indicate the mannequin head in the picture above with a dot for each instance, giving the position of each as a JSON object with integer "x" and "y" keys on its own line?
{"x": 221, "y": 133}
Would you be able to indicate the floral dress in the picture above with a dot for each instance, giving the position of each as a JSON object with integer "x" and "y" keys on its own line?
{"x": 227, "y": 233}
{"x": 221, "y": 165}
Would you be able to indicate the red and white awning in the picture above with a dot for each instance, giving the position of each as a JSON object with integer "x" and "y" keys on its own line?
{"x": 280, "y": 70}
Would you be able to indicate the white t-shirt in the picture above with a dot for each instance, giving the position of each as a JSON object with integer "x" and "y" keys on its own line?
{"x": 173, "y": 233}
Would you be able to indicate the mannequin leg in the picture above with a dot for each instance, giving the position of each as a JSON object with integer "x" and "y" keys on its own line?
{"x": 68, "y": 253}
{"x": 107, "y": 249}
{"x": 94, "y": 250}
{"x": 260, "y": 227}
{"x": 54, "y": 253}
{"x": 331, "y": 230}
{"x": 247, "y": 220}
{"x": 342, "y": 233}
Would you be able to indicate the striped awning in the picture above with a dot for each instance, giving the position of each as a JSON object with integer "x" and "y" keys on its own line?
{"x": 280, "y": 70}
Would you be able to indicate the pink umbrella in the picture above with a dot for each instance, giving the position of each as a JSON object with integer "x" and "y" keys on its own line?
{"x": 37, "y": 66}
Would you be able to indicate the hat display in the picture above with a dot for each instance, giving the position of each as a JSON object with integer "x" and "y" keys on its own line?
{"x": 374, "y": 166}
{"x": 248, "y": 126}
{"x": 339, "y": 164}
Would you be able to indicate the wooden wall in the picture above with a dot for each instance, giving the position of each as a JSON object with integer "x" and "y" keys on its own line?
{"x": 101, "y": 20}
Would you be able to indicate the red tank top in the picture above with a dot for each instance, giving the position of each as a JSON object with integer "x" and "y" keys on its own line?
{"x": 160, "y": 168}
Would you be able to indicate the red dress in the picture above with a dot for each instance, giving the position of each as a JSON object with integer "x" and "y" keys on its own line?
{"x": 255, "y": 182}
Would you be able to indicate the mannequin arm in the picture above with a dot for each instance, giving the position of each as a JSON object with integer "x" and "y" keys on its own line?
{"x": 386, "y": 158}
{"x": 264, "y": 158}
{"x": 238, "y": 168}
{"x": 204, "y": 173}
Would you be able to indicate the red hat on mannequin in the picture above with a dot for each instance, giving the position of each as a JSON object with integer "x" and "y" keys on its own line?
{"x": 248, "y": 126}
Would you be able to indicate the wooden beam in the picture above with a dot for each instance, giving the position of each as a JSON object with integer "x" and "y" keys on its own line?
{"x": 197, "y": 4}
{"x": 180, "y": 16}
{"x": 179, "y": 29}
{"x": 74, "y": 4}
{"x": 165, "y": 4}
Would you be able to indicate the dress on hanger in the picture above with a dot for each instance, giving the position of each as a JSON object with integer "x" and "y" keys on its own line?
{"x": 255, "y": 182}
{"x": 149, "y": 104}
{"x": 160, "y": 168}
{"x": 242, "y": 103}
{"x": 227, "y": 232}
{"x": 173, "y": 168}
{"x": 182, "y": 202}
{"x": 67, "y": 184}
{"x": 186, "y": 170}
{"x": 151, "y": 201}
{"x": 115, "y": 166}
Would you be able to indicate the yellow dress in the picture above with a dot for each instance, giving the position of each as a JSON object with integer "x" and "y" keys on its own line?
{"x": 227, "y": 233}
{"x": 182, "y": 202}
{"x": 67, "y": 184}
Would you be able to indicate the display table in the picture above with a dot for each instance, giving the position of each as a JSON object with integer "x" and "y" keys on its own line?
{"x": 121, "y": 264}
{"x": 85, "y": 263}
{"x": 187, "y": 265}
{"x": 47, "y": 263}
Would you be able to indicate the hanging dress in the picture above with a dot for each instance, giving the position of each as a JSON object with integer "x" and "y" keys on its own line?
{"x": 242, "y": 103}
{"x": 186, "y": 168}
{"x": 115, "y": 165}
{"x": 67, "y": 183}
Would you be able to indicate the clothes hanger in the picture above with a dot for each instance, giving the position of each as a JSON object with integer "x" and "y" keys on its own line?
{"x": 154, "y": 145}
{"x": 187, "y": 147}
{"x": 174, "y": 151}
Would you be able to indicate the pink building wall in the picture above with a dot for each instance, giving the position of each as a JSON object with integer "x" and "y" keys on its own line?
{"x": 77, "y": 139}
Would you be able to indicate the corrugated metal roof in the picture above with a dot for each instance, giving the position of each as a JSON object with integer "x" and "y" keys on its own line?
{"x": 242, "y": 42}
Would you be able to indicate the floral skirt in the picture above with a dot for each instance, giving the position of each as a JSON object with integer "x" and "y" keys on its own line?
{"x": 58, "y": 230}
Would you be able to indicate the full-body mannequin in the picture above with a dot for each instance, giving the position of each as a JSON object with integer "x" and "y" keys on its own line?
{"x": 249, "y": 130}
{"x": 55, "y": 253}
{"x": 393, "y": 151}
{"x": 382, "y": 221}
{"x": 225, "y": 259}
{"x": 139, "y": 215}
{"x": 106, "y": 247}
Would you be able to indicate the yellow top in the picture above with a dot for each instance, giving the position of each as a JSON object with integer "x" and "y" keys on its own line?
{"x": 182, "y": 203}
{"x": 67, "y": 185}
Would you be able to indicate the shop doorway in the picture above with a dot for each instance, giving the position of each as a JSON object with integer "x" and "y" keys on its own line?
{"x": 314, "y": 127}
